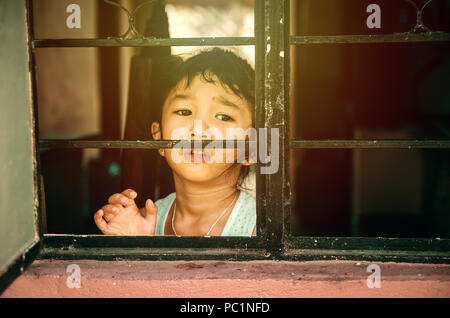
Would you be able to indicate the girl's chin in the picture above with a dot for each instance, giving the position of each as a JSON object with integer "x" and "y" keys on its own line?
{"x": 199, "y": 172}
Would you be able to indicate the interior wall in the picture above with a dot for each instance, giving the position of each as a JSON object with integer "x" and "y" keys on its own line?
{"x": 320, "y": 179}
{"x": 387, "y": 180}
{"x": 69, "y": 102}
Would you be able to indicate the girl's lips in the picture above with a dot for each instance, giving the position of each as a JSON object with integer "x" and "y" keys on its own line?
{"x": 196, "y": 156}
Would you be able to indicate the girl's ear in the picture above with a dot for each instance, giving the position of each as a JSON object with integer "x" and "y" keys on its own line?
{"x": 156, "y": 130}
{"x": 156, "y": 134}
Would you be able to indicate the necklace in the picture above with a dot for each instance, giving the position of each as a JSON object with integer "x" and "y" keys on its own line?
{"x": 212, "y": 226}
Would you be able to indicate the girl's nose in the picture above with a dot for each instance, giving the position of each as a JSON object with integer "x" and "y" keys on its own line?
{"x": 199, "y": 130}
{"x": 203, "y": 136}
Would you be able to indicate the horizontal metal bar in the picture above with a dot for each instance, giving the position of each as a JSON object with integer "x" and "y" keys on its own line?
{"x": 45, "y": 144}
{"x": 414, "y": 250}
{"x": 368, "y": 243}
{"x": 238, "y": 41}
{"x": 374, "y": 38}
{"x": 141, "y": 42}
{"x": 368, "y": 255}
{"x": 404, "y": 144}
{"x": 106, "y": 247}
{"x": 152, "y": 254}
{"x": 63, "y": 241}
{"x": 237, "y": 254}
{"x": 145, "y": 247}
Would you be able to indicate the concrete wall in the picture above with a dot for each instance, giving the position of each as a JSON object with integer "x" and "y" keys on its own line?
{"x": 214, "y": 279}
{"x": 68, "y": 80}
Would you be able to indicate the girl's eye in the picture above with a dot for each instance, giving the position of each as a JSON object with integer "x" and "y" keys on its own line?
{"x": 184, "y": 112}
{"x": 223, "y": 117}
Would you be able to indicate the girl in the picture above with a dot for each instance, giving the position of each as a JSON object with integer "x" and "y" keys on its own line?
{"x": 212, "y": 91}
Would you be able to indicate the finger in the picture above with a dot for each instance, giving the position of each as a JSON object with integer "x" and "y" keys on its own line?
{"x": 113, "y": 209}
{"x": 151, "y": 210}
{"x": 130, "y": 193}
{"x": 110, "y": 211}
{"x": 119, "y": 198}
{"x": 108, "y": 217}
{"x": 101, "y": 223}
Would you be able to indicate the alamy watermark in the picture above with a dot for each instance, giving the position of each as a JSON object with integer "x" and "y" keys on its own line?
{"x": 373, "y": 21}
{"x": 374, "y": 279}
{"x": 235, "y": 150}
{"x": 73, "y": 21}
{"x": 74, "y": 279}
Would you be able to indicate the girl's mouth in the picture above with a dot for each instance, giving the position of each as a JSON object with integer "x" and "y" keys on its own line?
{"x": 196, "y": 156}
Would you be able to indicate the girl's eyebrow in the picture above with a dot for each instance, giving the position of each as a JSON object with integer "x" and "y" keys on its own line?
{"x": 180, "y": 96}
{"x": 226, "y": 102}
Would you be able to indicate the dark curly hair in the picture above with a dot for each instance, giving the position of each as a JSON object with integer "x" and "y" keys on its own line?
{"x": 232, "y": 71}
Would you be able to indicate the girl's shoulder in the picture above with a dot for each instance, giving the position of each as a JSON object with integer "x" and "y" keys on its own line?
{"x": 167, "y": 201}
{"x": 163, "y": 210}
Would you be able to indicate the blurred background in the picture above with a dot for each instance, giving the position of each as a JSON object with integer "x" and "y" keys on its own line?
{"x": 338, "y": 91}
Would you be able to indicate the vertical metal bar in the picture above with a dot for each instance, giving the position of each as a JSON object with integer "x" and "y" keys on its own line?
{"x": 259, "y": 108}
{"x": 287, "y": 127}
{"x": 275, "y": 106}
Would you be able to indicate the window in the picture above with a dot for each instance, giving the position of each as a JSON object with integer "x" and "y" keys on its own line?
{"x": 277, "y": 55}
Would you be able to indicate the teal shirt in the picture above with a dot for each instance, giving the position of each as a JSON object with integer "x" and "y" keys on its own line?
{"x": 241, "y": 221}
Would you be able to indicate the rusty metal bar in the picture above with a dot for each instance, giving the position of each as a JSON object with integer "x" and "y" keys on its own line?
{"x": 306, "y": 144}
{"x": 259, "y": 109}
{"x": 241, "y": 41}
{"x": 375, "y": 38}
{"x": 144, "y": 42}
{"x": 45, "y": 144}
{"x": 401, "y": 144}
{"x": 276, "y": 32}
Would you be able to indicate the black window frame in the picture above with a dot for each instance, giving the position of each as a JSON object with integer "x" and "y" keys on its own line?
{"x": 273, "y": 240}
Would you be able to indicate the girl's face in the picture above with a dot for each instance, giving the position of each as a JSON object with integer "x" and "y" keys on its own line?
{"x": 205, "y": 111}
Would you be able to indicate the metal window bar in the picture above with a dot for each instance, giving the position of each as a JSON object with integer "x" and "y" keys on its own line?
{"x": 45, "y": 144}
{"x": 374, "y": 38}
{"x": 142, "y": 42}
{"x": 130, "y": 144}
{"x": 272, "y": 42}
{"x": 405, "y": 144}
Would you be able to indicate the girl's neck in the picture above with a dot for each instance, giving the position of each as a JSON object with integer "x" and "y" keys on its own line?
{"x": 200, "y": 200}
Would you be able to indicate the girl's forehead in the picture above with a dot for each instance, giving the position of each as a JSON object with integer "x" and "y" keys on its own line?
{"x": 198, "y": 86}
{"x": 199, "y": 81}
